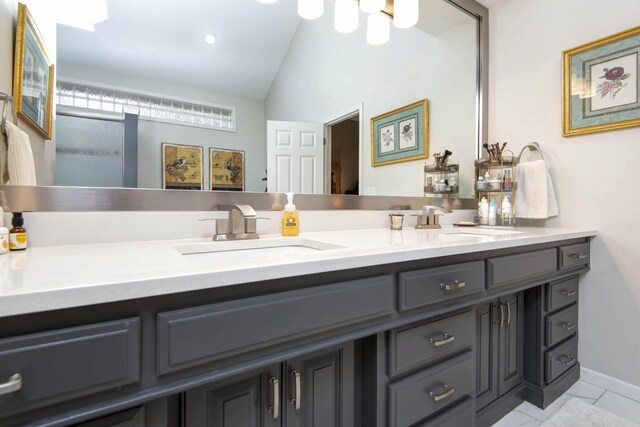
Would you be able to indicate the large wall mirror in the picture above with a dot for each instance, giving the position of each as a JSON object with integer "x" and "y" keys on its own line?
{"x": 239, "y": 95}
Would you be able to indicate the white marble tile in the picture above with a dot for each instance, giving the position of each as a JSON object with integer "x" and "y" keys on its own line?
{"x": 517, "y": 418}
{"x": 582, "y": 390}
{"x": 621, "y": 406}
{"x": 586, "y": 391}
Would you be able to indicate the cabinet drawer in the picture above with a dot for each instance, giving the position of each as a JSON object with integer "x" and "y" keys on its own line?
{"x": 415, "y": 398}
{"x": 561, "y": 294}
{"x": 561, "y": 325}
{"x": 461, "y": 415}
{"x": 560, "y": 359}
{"x": 513, "y": 269}
{"x": 199, "y": 335}
{"x": 418, "y": 345}
{"x": 420, "y": 288}
{"x": 70, "y": 363}
{"x": 574, "y": 256}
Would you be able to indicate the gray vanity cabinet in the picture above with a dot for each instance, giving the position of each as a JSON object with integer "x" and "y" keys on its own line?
{"x": 314, "y": 390}
{"x": 499, "y": 347}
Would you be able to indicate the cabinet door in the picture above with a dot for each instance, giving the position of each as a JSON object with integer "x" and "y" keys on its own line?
{"x": 319, "y": 389}
{"x": 243, "y": 401}
{"x": 511, "y": 358}
{"x": 487, "y": 334}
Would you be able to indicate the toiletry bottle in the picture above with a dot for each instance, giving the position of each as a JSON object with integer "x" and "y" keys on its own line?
{"x": 484, "y": 211}
{"x": 506, "y": 212}
{"x": 493, "y": 210}
{"x": 290, "y": 224}
{"x": 4, "y": 235}
{"x": 17, "y": 234}
{"x": 487, "y": 176}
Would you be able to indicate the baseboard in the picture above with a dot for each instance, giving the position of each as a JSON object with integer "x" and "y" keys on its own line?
{"x": 613, "y": 384}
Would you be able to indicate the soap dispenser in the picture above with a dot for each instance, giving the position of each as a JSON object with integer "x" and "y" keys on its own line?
{"x": 290, "y": 224}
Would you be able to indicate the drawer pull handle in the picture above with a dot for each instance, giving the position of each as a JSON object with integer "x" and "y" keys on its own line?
{"x": 14, "y": 384}
{"x": 455, "y": 285}
{"x": 501, "y": 322}
{"x": 567, "y": 360}
{"x": 296, "y": 400}
{"x": 448, "y": 391}
{"x": 508, "y": 313}
{"x": 568, "y": 326}
{"x": 275, "y": 409}
{"x": 568, "y": 292}
{"x": 578, "y": 256}
{"x": 442, "y": 341}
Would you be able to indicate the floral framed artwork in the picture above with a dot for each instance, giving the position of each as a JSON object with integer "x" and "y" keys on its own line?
{"x": 182, "y": 167}
{"x": 32, "y": 76}
{"x": 601, "y": 84}
{"x": 400, "y": 135}
{"x": 226, "y": 169}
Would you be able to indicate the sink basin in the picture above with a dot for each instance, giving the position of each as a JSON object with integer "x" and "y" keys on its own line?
{"x": 255, "y": 248}
{"x": 471, "y": 232}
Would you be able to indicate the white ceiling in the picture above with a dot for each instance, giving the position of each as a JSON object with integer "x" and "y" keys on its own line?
{"x": 162, "y": 39}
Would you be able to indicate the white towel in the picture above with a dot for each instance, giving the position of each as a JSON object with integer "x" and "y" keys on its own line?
{"x": 19, "y": 158}
{"x": 535, "y": 197}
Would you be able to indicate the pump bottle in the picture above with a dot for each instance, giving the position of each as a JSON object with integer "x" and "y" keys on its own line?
{"x": 290, "y": 218}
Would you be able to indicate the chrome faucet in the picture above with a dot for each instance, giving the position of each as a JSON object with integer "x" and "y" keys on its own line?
{"x": 429, "y": 219}
{"x": 240, "y": 225}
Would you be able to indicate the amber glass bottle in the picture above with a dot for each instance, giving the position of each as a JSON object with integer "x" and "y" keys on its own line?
{"x": 17, "y": 234}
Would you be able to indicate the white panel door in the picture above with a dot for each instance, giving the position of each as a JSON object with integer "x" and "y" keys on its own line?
{"x": 295, "y": 157}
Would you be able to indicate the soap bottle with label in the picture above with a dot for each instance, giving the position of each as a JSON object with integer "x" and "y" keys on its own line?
{"x": 17, "y": 234}
{"x": 484, "y": 211}
{"x": 506, "y": 212}
{"x": 290, "y": 218}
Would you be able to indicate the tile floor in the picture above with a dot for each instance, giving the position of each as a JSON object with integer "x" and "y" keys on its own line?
{"x": 528, "y": 415}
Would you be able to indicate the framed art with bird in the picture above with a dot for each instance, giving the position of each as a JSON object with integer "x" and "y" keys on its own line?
{"x": 226, "y": 169}
{"x": 182, "y": 167}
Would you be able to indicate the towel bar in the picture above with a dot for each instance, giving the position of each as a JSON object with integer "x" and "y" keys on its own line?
{"x": 532, "y": 146}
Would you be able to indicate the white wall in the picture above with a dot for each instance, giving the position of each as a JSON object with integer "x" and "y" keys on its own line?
{"x": 595, "y": 175}
{"x": 43, "y": 151}
{"x": 249, "y": 136}
{"x": 325, "y": 72}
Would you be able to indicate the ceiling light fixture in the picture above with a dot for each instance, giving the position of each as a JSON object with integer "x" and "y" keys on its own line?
{"x": 210, "y": 39}
{"x": 405, "y": 13}
{"x": 378, "y": 29}
{"x": 347, "y": 16}
{"x": 310, "y": 9}
{"x": 372, "y": 6}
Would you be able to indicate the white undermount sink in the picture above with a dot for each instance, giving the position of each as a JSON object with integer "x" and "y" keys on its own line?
{"x": 254, "y": 248}
{"x": 480, "y": 231}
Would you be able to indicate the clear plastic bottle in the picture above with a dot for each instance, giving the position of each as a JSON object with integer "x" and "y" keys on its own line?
{"x": 483, "y": 212}
{"x": 493, "y": 212}
{"x": 506, "y": 217}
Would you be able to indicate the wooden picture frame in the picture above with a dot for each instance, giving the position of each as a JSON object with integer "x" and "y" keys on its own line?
{"x": 601, "y": 84}
{"x": 226, "y": 170}
{"x": 182, "y": 167}
{"x": 33, "y": 76}
{"x": 400, "y": 135}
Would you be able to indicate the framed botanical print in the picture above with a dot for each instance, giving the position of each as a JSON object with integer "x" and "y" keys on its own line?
{"x": 182, "y": 167}
{"x": 33, "y": 76}
{"x": 226, "y": 169}
{"x": 400, "y": 135}
{"x": 601, "y": 84}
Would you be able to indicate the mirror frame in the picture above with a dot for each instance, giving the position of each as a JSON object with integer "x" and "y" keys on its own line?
{"x": 75, "y": 199}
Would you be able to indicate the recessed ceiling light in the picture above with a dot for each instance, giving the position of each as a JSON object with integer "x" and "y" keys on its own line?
{"x": 210, "y": 39}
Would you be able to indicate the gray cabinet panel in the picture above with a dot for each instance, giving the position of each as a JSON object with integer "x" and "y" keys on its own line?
{"x": 461, "y": 415}
{"x": 512, "y": 269}
{"x": 574, "y": 256}
{"x": 561, "y": 294}
{"x": 561, "y": 325}
{"x": 421, "y": 288}
{"x": 130, "y": 418}
{"x": 511, "y": 352}
{"x": 486, "y": 355}
{"x": 560, "y": 359}
{"x": 69, "y": 363}
{"x": 415, "y": 346}
{"x": 414, "y": 398}
{"x": 199, "y": 335}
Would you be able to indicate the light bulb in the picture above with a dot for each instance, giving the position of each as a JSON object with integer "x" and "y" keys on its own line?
{"x": 346, "y": 16}
{"x": 372, "y": 6}
{"x": 405, "y": 13}
{"x": 378, "y": 29}
{"x": 267, "y": 1}
{"x": 310, "y": 9}
{"x": 210, "y": 39}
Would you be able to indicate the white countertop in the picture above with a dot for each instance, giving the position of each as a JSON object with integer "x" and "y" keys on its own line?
{"x": 56, "y": 277}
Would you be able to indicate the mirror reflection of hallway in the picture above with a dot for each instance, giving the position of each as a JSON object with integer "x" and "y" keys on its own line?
{"x": 344, "y": 156}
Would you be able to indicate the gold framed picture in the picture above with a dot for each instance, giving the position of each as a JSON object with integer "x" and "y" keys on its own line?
{"x": 400, "y": 135}
{"x": 32, "y": 76}
{"x": 182, "y": 167}
{"x": 226, "y": 169}
{"x": 601, "y": 84}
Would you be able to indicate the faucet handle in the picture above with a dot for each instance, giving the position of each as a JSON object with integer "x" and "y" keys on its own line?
{"x": 222, "y": 227}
